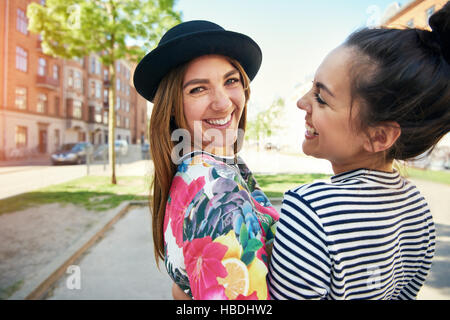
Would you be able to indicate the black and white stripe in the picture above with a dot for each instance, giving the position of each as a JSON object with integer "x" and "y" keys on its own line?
{"x": 365, "y": 235}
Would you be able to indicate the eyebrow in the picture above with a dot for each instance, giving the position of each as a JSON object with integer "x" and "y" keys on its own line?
{"x": 320, "y": 85}
{"x": 205, "y": 81}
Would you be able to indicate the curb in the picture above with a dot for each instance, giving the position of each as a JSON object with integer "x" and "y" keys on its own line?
{"x": 40, "y": 283}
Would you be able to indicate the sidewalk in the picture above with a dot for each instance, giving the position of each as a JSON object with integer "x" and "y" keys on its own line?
{"x": 120, "y": 266}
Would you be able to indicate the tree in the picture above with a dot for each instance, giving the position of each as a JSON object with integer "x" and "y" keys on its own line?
{"x": 76, "y": 28}
{"x": 265, "y": 123}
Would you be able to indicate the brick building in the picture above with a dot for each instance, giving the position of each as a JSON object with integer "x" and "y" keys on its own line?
{"x": 414, "y": 14}
{"x": 46, "y": 101}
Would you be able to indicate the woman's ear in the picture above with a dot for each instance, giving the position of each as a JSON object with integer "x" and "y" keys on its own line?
{"x": 382, "y": 137}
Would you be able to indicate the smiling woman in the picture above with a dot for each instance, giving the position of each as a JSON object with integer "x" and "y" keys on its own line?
{"x": 213, "y": 234}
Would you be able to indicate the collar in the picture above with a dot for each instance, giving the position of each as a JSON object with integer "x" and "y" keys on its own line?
{"x": 386, "y": 178}
{"x": 225, "y": 159}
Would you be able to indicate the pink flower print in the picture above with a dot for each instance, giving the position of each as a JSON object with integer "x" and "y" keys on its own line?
{"x": 271, "y": 211}
{"x": 181, "y": 194}
{"x": 202, "y": 258}
{"x": 214, "y": 293}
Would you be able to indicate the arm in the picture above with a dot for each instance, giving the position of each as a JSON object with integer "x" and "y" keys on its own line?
{"x": 179, "y": 294}
{"x": 300, "y": 267}
{"x": 224, "y": 247}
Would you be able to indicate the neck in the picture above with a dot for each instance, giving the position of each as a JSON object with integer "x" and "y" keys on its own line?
{"x": 385, "y": 166}
{"x": 226, "y": 151}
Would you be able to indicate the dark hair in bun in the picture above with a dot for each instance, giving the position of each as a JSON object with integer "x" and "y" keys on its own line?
{"x": 404, "y": 76}
{"x": 440, "y": 26}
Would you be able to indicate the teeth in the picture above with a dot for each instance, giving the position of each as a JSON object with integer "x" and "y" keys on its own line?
{"x": 220, "y": 122}
{"x": 310, "y": 130}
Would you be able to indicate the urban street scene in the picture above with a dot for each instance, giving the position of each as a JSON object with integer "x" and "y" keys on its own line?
{"x": 81, "y": 154}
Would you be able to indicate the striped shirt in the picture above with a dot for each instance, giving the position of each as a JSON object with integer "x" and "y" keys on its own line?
{"x": 366, "y": 235}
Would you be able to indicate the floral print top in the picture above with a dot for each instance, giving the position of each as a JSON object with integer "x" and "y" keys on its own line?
{"x": 218, "y": 228}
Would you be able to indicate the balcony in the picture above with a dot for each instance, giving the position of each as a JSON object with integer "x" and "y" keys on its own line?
{"x": 47, "y": 82}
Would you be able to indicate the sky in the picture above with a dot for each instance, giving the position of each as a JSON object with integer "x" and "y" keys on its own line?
{"x": 294, "y": 35}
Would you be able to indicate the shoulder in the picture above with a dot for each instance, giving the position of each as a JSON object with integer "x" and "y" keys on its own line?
{"x": 204, "y": 165}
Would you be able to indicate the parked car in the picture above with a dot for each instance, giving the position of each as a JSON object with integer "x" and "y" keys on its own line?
{"x": 145, "y": 148}
{"x": 71, "y": 153}
{"x": 271, "y": 146}
{"x": 100, "y": 152}
{"x": 121, "y": 147}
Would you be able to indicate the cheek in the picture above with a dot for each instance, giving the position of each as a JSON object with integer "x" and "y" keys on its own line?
{"x": 192, "y": 112}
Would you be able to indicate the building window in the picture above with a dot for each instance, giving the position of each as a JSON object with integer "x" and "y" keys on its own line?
{"x": 127, "y": 123}
{"x": 105, "y": 95}
{"x": 105, "y": 75}
{"x": 22, "y": 21}
{"x": 118, "y": 121}
{"x": 410, "y": 23}
{"x": 95, "y": 66}
{"x": 70, "y": 79}
{"x": 98, "y": 90}
{"x": 42, "y": 67}
{"x": 78, "y": 81}
{"x": 105, "y": 117}
{"x": 91, "y": 88}
{"x": 118, "y": 84}
{"x": 21, "y": 98}
{"x": 42, "y": 103}
{"x": 77, "y": 109}
{"x": 55, "y": 72}
{"x": 21, "y": 59}
{"x": 118, "y": 103}
{"x": 98, "y": 114}
{"x": 21, "y": 137}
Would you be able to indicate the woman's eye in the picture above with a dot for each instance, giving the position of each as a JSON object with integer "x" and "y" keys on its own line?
{"x": 196, "y": 90}
{"x": 232, "y": 81}
{"x": 319, "y": 98}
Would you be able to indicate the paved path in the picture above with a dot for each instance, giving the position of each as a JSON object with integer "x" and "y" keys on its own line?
{"x": 120, "y": 266}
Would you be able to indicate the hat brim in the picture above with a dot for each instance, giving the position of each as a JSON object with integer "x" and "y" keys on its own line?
{"x": 156, "y": 64}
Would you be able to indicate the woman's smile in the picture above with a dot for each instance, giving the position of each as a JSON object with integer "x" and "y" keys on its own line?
{"x": 310, "y": 131}
{"x": 220, "y": 123}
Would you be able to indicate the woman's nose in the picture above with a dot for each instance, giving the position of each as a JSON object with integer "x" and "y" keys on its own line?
{"x": 220, "y": 100}
{"x": 304, "y": 104}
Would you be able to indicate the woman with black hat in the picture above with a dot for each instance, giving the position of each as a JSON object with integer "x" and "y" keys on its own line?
{"x": 211, "y": 223}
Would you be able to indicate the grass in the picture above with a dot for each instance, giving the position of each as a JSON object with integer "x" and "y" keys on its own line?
{"x": 92, "y": 192}
{"x": 428, "y": 175}
{"x": 275, "y": 185}
{"x": 9, "y": 291}
{"x": 98, "y": 194}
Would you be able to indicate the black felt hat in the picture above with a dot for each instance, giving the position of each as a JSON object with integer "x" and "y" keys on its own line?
{"x": 190, "y": 40}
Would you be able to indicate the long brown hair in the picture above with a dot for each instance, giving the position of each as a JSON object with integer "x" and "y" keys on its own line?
{"x": 168, "y": 115}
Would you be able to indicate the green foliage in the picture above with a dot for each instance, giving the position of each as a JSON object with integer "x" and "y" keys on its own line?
{"x": 76, "y": 28}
